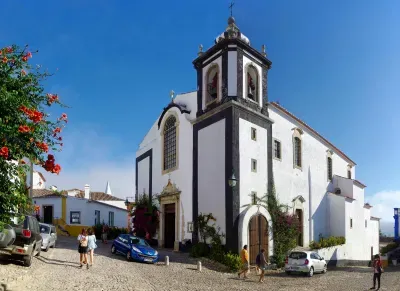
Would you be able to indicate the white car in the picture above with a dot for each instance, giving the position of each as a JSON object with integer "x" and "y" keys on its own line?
{"x": 49, "y": 235}
{"x": 305, "y": 262}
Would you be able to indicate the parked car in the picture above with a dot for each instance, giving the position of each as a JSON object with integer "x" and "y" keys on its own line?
{"x": 49, "y": 236}
{"x": 134, "y": 248}
{"x": 21, "y": 239}
{"x": 305, "y": 262}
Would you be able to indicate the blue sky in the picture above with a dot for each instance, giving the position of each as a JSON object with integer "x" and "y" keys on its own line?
{"x": 335, "y": 65}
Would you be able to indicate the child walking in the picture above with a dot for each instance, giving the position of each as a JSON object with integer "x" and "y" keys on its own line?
{"x": 91, "y": 245}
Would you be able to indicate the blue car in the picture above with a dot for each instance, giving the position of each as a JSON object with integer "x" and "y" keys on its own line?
{"x": 134, "y": 248}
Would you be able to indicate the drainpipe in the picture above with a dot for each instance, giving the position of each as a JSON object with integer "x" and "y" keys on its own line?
{"x": 310, "y": 218}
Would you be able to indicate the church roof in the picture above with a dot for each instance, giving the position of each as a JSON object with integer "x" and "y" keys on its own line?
{"x": 36, "y": 193}
{"x": 285, "y": 111}
{"x": 99, "y": 196}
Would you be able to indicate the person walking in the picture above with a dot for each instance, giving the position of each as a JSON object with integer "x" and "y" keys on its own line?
{"x": 378, "y": 270}
{"x": 91, "y": 245}
{"x": 262, "y": 265}
{"x": 82, "y": 248}
{"x": 244, "y": 255}
{"x": 104, "y": 234}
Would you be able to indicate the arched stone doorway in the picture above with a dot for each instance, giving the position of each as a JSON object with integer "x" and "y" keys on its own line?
{"x": 258, "y": 236}
{"x": 246, "y": 226}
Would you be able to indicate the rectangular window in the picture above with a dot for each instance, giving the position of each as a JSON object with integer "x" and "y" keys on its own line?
{"x": 351, "y": 222}
{"x": 253, "y": 165}
{"x": 329, "y": 165}
{"x": 349, "y": 174}
{"x": 96, "y": 217}
{"x": 75, "y": 217}
{"x": 110, "y": 218}
{"x": 277, "y": 149}
{"x": 254, "y": 198}
{"x": 253, "y": 133}
{"x": 297, "y": 152}
{"x": 366, "y": 225}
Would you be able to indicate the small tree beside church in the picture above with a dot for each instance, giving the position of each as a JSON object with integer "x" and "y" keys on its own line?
{"x": 26, "y": 130}
{"x": 146, "y": 217}
{"x": 285, "y": 226}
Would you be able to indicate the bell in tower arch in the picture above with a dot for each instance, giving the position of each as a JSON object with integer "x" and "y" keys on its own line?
{"x": 250, "y": 87}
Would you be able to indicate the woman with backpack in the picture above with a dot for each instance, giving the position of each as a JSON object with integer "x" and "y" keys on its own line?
{"x": 378, "y": 270}
{"x": 83, "y": 248}
{"x": 261, "y": 263}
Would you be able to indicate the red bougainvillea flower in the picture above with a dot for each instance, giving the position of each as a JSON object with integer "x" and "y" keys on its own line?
{"x": 9, "y": 49}
{"x": 63, "y": 117}
{"x": 56, "y": 169}
{"x": 28, "y": 55}
{"x": 24, "y": 129}
{"x": 52, "y": 98}
{"x": 36, "y": 116}
{"x": 57, "y": 130}
{"x": 24, "y": 58}
{"x": 23, "y": 73}
{"x": 5, "y": 60}
{"x": 4, "y": 152}
{"x": 60, "y": 138}
{"x": 43, "y": 146}
{"x": 50, "y": 157}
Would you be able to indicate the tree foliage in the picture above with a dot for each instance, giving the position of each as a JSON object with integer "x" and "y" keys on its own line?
{"x": 26, "y": 130}
{"x": 146, "y": 217}
{"x": 285, "y": 226}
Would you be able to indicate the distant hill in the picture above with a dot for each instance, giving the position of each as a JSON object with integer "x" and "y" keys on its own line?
{"x": 387, "y": 228}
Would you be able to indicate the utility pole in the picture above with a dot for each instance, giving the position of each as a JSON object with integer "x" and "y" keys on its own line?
{"x": 31, "y": 180}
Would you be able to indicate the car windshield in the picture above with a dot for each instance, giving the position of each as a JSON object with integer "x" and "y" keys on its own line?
{"x": 44, "y": 228}
{"x": 139, "y": 241}
{"x": 298, "y": 255}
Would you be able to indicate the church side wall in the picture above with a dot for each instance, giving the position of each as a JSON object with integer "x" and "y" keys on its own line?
{"x": 182, "y": 176}
{"x": 310, "y": 181}
{"x": 211, "y": 172}
{"x": 252, "y": 149}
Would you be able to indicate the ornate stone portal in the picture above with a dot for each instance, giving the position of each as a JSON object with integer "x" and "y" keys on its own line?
{"x": 168, "y": 197}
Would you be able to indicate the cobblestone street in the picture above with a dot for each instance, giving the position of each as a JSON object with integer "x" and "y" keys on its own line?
{"x": 58, "y": 270}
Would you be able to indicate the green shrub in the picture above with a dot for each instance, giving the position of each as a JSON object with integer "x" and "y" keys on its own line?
{"x": 327, "y": 242}
{"x": 200, "y": 250}
{"x": 232, "y": 261}
{"x": 389, "y": 247}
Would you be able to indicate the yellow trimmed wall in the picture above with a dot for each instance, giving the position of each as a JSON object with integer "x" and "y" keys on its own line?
{"x": 74, "y": 230}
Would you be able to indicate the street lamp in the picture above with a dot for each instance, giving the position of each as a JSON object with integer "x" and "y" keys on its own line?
{"x": 232, "y": 181}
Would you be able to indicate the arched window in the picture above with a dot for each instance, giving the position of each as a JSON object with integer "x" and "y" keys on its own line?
{"x": 297, "y": 152}
{"x": 212, "y": 83}
{"x": 329, "y": 168}
{"x": 170, "y": 140}
{"x": 252, "y": 83}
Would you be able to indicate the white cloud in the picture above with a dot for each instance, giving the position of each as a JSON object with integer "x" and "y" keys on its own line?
{"x": 383, "y": 203}
{"x": 91, "y": 157}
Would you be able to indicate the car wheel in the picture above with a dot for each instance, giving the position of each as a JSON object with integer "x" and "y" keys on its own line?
{"x": 47, "y": 249}
{"x": 113, "y": 250}
{"x": 288, "y": 273}
{"x": 324, "y": 270}
{"x": 311, "y": 272}
{"x": 28, "y": 260}
{"x": 128, "y": 256}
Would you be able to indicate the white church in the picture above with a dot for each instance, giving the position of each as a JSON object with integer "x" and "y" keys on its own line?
{"x": 216, "y": 149}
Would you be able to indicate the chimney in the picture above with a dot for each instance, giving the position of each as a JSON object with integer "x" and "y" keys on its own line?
{"x": 87, "y": 191}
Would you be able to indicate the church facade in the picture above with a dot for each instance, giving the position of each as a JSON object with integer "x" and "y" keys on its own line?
{"x": 229, "y": 129}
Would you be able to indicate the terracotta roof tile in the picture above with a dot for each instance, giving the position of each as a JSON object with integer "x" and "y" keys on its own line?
{"x": 36, "y": 193}
{"x": 279, "y": 107}
{"x": 99, "y": 196}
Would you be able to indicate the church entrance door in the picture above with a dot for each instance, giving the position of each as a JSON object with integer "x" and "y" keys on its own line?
{"x": 169, "y": 225}
{"x": 258, "y": 237}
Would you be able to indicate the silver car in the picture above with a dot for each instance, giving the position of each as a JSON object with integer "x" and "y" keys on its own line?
{"x": 49, "y": 235}
{"x": 305, "y": 262}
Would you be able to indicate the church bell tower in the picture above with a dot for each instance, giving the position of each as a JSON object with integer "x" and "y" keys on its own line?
{"x": 232, "y": 133}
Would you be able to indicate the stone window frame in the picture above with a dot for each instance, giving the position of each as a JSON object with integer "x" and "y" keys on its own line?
{"x": 162, "y": 127}
{"x": 329, "y": 168}
{"x": 252, "y": 66}
{"x": 254, "y": 163}
{"x": 253, "y": 133}
{"x": 349, "y": 175}
{"x": 297, "y": 133}
{"x": 280, "y": 149}
{"x": 209, "y": 69}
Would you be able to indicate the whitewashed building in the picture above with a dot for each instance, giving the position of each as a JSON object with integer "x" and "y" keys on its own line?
{"x": 228, "y": 127}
